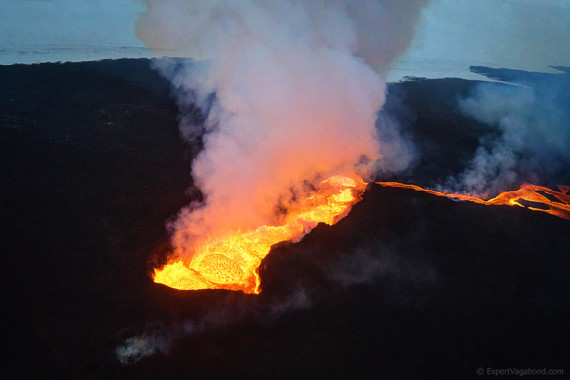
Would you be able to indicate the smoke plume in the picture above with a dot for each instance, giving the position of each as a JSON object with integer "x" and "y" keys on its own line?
{"x": 370, "y": 262}
{"x": 532, "y": 135}
{"x": 160, "y": 339}
{"x": 289, "y": 91}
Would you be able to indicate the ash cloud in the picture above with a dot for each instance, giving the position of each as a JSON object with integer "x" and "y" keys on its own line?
{"x": 289, "y": 92}
{"x": 532, "y": 135}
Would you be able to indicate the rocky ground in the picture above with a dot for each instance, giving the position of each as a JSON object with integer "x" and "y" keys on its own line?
{"x": 409, "y": 285}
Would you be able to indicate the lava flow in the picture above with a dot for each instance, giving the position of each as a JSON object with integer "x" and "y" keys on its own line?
{"x": 232, "y": 261}
{"x": 557, "y": 204}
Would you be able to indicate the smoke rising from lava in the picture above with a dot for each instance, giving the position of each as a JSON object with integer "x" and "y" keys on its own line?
{"x": 368, "y": 262}
{"x": 291, "y": 91}
{"x": 532, "y": 139}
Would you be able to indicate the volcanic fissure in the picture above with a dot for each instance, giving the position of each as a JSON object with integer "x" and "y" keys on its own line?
{"x": 232, "y": 261}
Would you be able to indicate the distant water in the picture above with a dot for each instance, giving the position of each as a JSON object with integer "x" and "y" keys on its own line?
{"x": 60, "y": 52}
{"x": 434, "y": 68}
{"x": 451, "y": 68}
{"x": 41, "y": 53}
{"x": 45, "y": 52}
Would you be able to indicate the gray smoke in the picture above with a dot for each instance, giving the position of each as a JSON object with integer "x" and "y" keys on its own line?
{"x": 160, "y": 339}
{"x": 290, "y": 91}
{"x": 368, "y": 263}
{"x": 138, "y": 347}
{"x": 532, "y": 134}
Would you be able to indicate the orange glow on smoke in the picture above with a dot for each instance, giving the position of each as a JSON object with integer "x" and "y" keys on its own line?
{"x": 232, "y": 261}
{"x": 558, "y": 204}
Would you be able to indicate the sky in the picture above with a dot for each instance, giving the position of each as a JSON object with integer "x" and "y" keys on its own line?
{"x": 511, "y": 33}
{"x": 69, "y": 21}
{"x": 454, "y": 34}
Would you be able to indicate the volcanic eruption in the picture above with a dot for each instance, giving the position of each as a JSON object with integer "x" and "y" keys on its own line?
{"x": 289, "y": 92}
{"x": 313, "y": 262}
{"x": 232, "y": 261}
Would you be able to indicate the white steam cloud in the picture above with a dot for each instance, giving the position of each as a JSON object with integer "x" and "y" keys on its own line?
{"x": 291, "y": 90}
{"x": 532, "y": 139}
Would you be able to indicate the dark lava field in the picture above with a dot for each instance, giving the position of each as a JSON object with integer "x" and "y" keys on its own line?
{"x": 408, "y": 285}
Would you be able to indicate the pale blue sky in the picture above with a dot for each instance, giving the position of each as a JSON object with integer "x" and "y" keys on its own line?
{"x": 509, "y": 33}
{"x": 513, "y": 32}
{"x": 69, "y": 21}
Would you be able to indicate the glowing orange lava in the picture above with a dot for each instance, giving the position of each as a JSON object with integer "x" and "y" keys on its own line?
{"x": 558, "y": 204}
{"x": 232, "y": 261}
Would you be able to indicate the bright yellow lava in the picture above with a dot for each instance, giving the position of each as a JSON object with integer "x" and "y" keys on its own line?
{"x": 232, "y": 261}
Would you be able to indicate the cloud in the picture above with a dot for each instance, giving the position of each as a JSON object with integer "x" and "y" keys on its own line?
{"x": 290, "y": 92}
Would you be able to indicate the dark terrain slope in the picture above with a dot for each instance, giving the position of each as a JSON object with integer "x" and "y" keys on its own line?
{"x": 91, "y": 165}
{"x": 407, "y": 286}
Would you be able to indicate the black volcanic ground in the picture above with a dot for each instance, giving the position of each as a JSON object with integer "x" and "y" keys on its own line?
{"x": 407, "y": 286}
